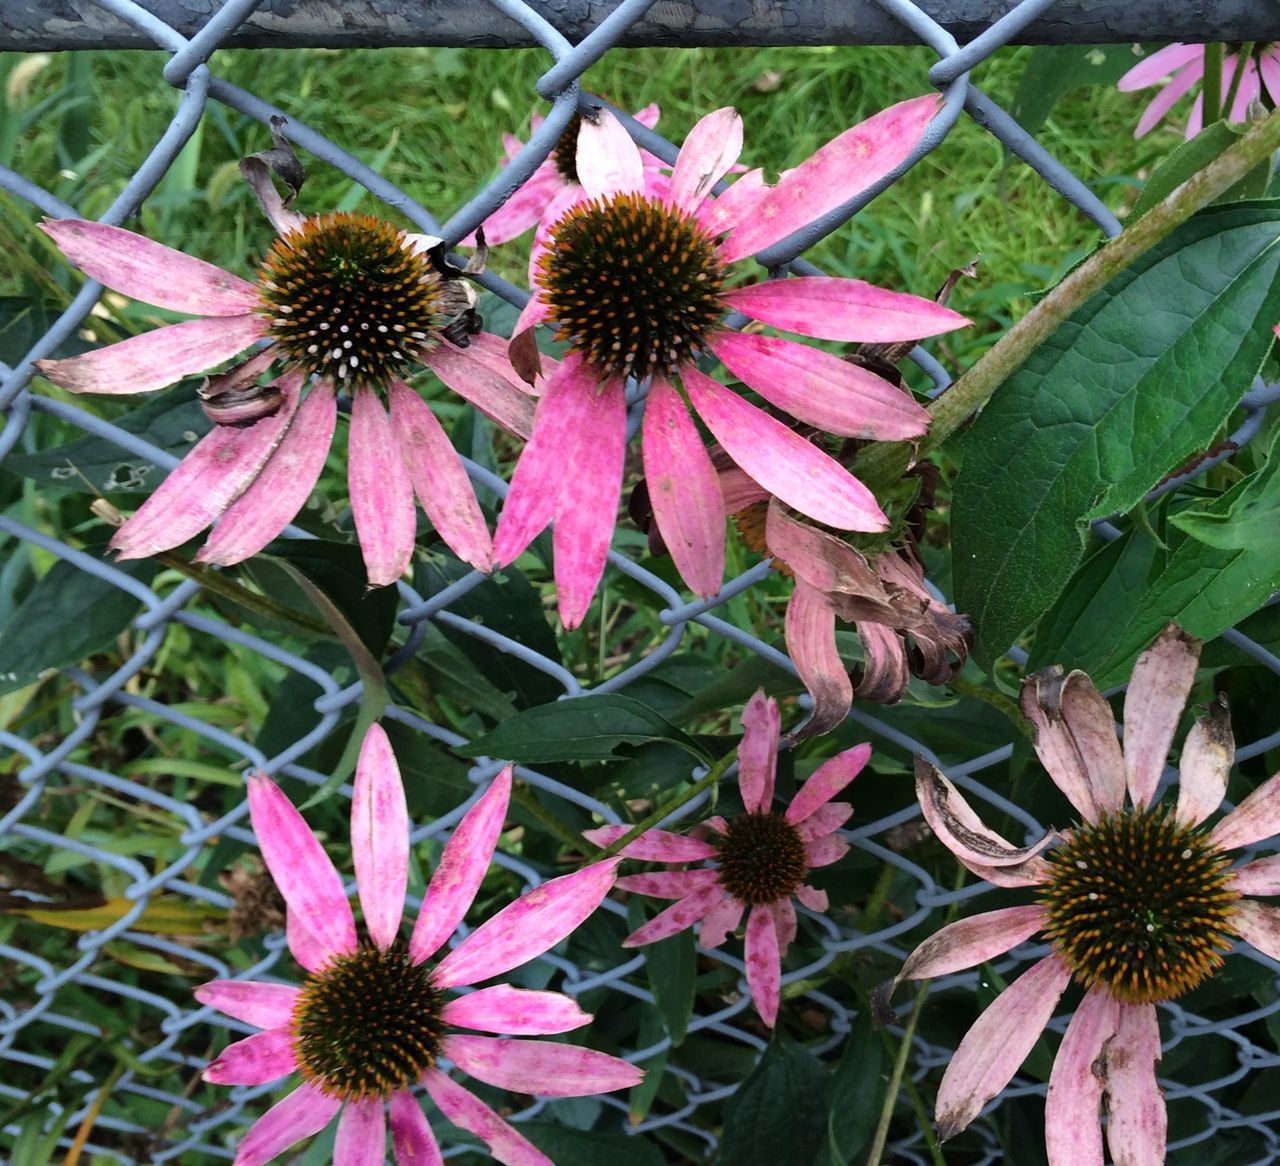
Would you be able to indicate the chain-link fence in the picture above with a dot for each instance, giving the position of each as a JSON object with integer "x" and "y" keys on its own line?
{"x": 47, "y": 1046}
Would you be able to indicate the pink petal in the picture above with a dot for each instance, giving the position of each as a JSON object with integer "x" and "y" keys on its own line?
{"x": 812, "y": 898}
{"x": 1072, "y": 1133}
{"x": 885, "y": 672}
{"x": 1195, "y": 120}
{"x": 362, "y": 1134}
{"x": 1159, "y": 65}
{"x": 1158, "y": 690}
{"x": 969, "y": 942}
{"x": 668, "y": 884}
{"x": 998, "y": 1043}
{"x": 674, "y": 919}
{"x": 1269, "y": 64}
{"x": 302, "y": 871}
{"x": 523, "y": 209}
{"x": 482, "y": 374}
{"x": 533, "y": 924}
{"x": 764, "y": 964}
{"x": 1260, "y": 877}
{"x": 515, "y": 1011}
{"x": 469, "y": 1113}
{"x": 758, "y": 753}
{"x": 727, "y": 210}
{"x": 824, "y": 820}
{"x": 1250, "y": 89}
{"x": 815, "y": 386}
{"x": 784, "y": 923}
{"x": 444, "y": 491}
{"x": 157, "y": 358}
{"x": 1259, "y": 925}
{"x": 683, "y": 490}
{"x": 653, "y": 845}
{"x": 411, "y": 1136}
{"x": 381, "y": 492}
{"x": 722, "y": 918}
{"x": 542, "y": 1068}
{"x": 739, "y": 490}
{"x": 304, "y": 1112}
{"x": 380, "y": 837}
{"x": 259, "y": 1004}
{"x": 1136, "y": 1122}
{"x": 1255, "y": 818}
{"x": 824, "y": 851}
{"x": 1207, "y": 756}
{"x": 608, "y": 161}
{"x": 832, "y": 175}
{"x": 811, "y": 642}
{"x": 461, "y": 870}
{"x": 265, "y": 1056}
{"x": 281, "y": 488}
{"x": 150, "y": 272}
{"x": 1034, "y": 872}
{"x": 828, "y": 780}
{"x": 782, "y": 461}
{"x": 712, "y": 147}
{"x": 308, "y": 951}
{"x": 830, "y": 308}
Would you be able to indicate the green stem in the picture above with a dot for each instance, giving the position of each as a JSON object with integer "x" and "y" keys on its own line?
{"x": 1211, "y": 90}
{"x": 217, "y": 583}
{"x": 549, "y": 822}
{"x": 895, "y": 1082}
{"x": 1242, "y": 63}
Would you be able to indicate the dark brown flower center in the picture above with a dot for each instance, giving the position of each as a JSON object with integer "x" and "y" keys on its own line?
{"x": 348, "y": 297}
{"x": 633, "y": 284}
{"x": 761, "y": 859}
{"x": 565, "y": 155}
{"x": 750, "y": 521}
{"x": 367, "y": 1024}
{"x": 1140, "y": 904}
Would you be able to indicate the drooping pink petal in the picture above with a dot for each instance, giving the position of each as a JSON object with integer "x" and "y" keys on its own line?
{"x": 1259, "y": 877}
{"x": 1159, "y": 65}
{"x": 151, "y": 272}
{"x": 304, "y": 1112}
{"x": 831, "y": 308}
{"x": 461, "y": 870}
{"x": 782, "y": 461}
{"x": 998, "y": 1043}
{"x": 885, "y": 671}
{"x": 653, "y": 845}
{"x": 482, "y": 374}
{"x": 758, "y": 753}
{"x": 514, "y": 1011}
{"x": 411, "y": 1137}
{"x": 1269, "y": 65}
{"x": 832, "y": 175}
{"x": 362, "y": 1134}
{"x": 832, "y": 776}
{"x": 674, "y": 919}
{"x": 727, "y": 210}
{"x": 380, "y": 837}
{"x": 1195, "y": 119}
{"x": 810, "y": 627}
{"x": 824, "y": 820}
{"x": 683, "y": 490}
{"x": 523, "y": 209}
{"x": 303, "y": 872}
{"x": 1207, "y": 756}
{"x": 722, "y": 918}
{"x": 739, "y": 490}
{"x": 281, "y": 488}
{"x": 310, "y": 952}
{"x": 1034, "y": 872}
{"x": 543, "y": 1068}
{"x": 155, "y": 359}
{"x": 1072, "y": 1133}
{"x": 1259, "y": 925}
{"x": 764, "y": 964}
{"x": 784, "y": 923}
{"x": 712, "y": 147}
{"x": 1255, "y": 818}
{"x": 441, "y": 484}
{"x": 820, "y": 388}
{"x": 469, "y": 1113}
{"x": 533, "y": 924}
{"x": 256, "y": 1003}
{"x": 1158, "y": 689}
{"x": 668, "y": 884}
{"x": 608, "y": 161}
{"x": 381, "y": 491}
{"x": 812, "y": 898}
{"x": 265, "y": 1056}
{"x": 1136, "y": 1122}
{"x": 968, "y": 942}
{"x": 1250, "y": 89}
{"x": 826, "y": 850}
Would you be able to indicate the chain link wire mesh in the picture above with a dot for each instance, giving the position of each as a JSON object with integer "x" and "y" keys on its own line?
{"x": 39, "y": 1014}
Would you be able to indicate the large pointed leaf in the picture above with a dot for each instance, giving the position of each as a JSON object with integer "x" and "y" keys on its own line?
{"x": 779, "y": 1114}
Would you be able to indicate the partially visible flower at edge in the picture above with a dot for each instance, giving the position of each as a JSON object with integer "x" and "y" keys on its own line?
{"x": 1136, "y": 900}
{"x": 374, "y": 1015}
{"x": 760, "y": 863}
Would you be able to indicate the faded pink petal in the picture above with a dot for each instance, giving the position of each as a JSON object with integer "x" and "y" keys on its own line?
{"x": 784, "y": 923}
{"x": 1259, "y": 925}
{"x": 684, "y": 489}
{"x": 1259, "y": 877}
{"x": 265, "y": 1056}
{"x": 1072, "y": 1133}
{"x": 668, "y": 884}
{"x": 514, "y": 1011}
{"x": 469, "y": 1113}
{"x": 1207, "y": 756}
{"x": 722, "y": 918}
{"x": 524, "y": 209}
{"x": 885, "y": 673}
{"x": 304, "y": 1112}
{"x": 1044, "y": 703}
{"x": 1159, "y": 65}
{"x": 782, "y": 461}
{"x": 812, "y": 898}
{"x": 968, "y": 942}
{"x": 533, "y": 924}
{"x": 461, "y": 870}
{"x": 832, "y": 175}
{"x": 671, "y": 920}
{"x": 832, "y": 776}
{"x": 1158, "y": 689}
{"x": 959, "y": 829}
{"x": 303, "y": 872}
{"x": 262, "y": 1005}
{"x": 151, "y": 272}
{"x": 739, "y": 490}
{"x": 1255, "y": 818}
{"x": 482, "y": 374}
{"x": 380, "y": 837}
{"x": 824, "y": 851}
{"x": 380, "y": 490}
{"x": 653, "y": 845}
{"x": 362, "y": 1134}
{"x": 1034, "y": 872}
{"x": 712, "y": 147}
{"x": 998, "y": 1043}
{"x": 830, "y": 308}
{"x": 310, "y": 952}
{"x": 1167, "y": 98}
{"x": 608, "y": 161}
{"x": 1136, "y": 1121}
{"x": 411, "y": 1136}
{"x": 758, "y": 753}
{"x": 810, "y": 626}
{"x": 1250, "y": 89}
{"x": 824, "y": 820}
{"x": 543, "y": 1068}
{"x": 764, "y": 964}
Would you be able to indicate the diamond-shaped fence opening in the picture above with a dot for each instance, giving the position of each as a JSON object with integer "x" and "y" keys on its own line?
{"x": 152, "y": 712}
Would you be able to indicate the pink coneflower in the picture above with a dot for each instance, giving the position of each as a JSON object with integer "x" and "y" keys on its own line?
{"x": 760, "y": 863}
{"x": 375, "y": 1014}
{"x": 637, "y": 285}
{"x": 1180, "y": 67}
{"x": 345, "y": 301}
{"x": 1136, "y": 900}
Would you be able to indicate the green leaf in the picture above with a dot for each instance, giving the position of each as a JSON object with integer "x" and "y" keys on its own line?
{"x": 671, "y": 967}
{"x": 68, "y": 615}
{"x": 855, "y": 1095}
{"x": 1252, "y": 519}
{"x": 590, "y": 1147}
{"x": 453, "y": 674}
{"x": 1053, "y": 71}
{"x": 1133, "y": 384}
{"x": 588, "y": 728}
{"x": 1187, "y": 159}
{"x": 779, "y": 1112}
